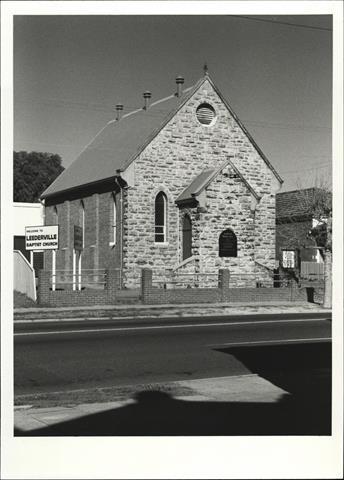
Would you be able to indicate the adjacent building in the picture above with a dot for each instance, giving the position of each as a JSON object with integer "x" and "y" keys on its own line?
{"x": 27, "y": 214}
{"x": 294, "y": 226}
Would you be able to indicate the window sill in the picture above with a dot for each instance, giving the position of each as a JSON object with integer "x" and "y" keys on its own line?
{"x": 161, "y": 244}
{"x": 112, "y": 244}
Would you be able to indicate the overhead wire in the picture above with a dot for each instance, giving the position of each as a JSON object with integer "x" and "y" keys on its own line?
{"x": 325, "y": 165}
{"x": 158, "y": 112}
{"x": 289, "y": 24}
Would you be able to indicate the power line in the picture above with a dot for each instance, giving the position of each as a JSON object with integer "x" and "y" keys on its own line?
{"x": 61, "y": 145}
{"x": 325, "y": 165}
{"x": 65, "y": 104}
{"x": 290, "y": 24}
{"x": 101, "y": 108}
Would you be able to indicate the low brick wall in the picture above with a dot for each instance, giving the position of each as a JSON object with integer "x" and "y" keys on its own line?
{"x": 70, "y": 298}
{"x": 183, "y": 295}
{"x": 286, "y": 294}
{"x": 215, "y": 295}
{"x": 153, "y": 295}
{"x": 158, "y": 296}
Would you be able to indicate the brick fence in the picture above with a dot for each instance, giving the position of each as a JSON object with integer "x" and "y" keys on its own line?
{"x": 69, "y": 297}
{"x": 153, "y": 295}
{"x": 223, "y": 293}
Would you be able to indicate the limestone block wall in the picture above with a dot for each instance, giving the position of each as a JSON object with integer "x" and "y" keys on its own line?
{"x": 228, "y": 206}
{"x": 179, "y": 153}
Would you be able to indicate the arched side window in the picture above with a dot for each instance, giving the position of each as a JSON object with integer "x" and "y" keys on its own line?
{"x": 160, "y": 218}
{"x": 82, "y": 221}
{"x": 228, "y": 244}
{"x": 55, "y": 216}
{"x": 187, "y": 237}
{"x": 113, "y": 220}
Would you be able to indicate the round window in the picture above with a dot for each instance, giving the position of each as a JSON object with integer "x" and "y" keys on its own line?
{"x": 205, "y": 114}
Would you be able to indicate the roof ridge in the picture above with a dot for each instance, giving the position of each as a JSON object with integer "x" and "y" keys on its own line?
{"x": 153, "y": 104}
{"x": 129, "y": 114}
{"x": 169, "y": 115}
{"x": 298, "y": 190}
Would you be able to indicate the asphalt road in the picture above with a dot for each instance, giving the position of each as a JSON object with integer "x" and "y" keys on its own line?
{"x": 63, "y": 356}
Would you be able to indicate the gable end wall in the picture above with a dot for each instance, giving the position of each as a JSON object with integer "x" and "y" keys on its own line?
{"x": 180, "y": 152}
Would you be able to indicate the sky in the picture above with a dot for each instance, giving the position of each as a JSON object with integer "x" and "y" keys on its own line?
{"x": 275, "y": 71}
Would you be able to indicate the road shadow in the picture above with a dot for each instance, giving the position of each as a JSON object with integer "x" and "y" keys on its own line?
{"x": 304, "y": 371}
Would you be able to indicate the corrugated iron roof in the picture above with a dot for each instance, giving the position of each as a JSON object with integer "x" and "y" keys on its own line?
{"x": 117, "y": 144}
{"x": 206, "y": 177}
{"x": 196, "y": 185}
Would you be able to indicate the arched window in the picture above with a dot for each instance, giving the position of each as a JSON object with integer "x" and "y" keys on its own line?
{"x": 187, "y": 237}
{"x": 113, "y": 220}
{"x": 55, "y": 216}
{"x": 82, "y": 220}
{"x": 160, "y": 217}
{"x": 228, "y": 244}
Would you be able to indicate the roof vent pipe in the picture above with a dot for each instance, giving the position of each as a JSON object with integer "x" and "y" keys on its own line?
{"x": 179, "y": 82}
{"x": 119, "y": 108}
{"x": 146, "y": 96}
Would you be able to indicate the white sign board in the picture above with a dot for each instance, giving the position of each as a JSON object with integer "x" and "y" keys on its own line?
{"x": 288, "y": 258}
{"x": 42, "y": 237}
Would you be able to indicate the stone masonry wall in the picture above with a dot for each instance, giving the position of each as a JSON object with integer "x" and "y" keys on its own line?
{"x": 265, "y": 228}
{"x": 179, "y": 153}
{"x": 228, "y": 205}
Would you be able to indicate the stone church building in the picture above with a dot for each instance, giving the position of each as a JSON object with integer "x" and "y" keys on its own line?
{"x": 176, "y": 186}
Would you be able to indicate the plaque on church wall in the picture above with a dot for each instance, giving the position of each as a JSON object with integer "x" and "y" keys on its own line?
{"x": 78, "y": 238}
{"x": 228, "y": 244}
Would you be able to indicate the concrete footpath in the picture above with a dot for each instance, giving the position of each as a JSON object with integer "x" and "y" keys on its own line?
{"x": 163, "y": 311}
{"x": 244, "y": 388}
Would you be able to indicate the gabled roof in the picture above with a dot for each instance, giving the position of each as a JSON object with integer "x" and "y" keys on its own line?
{"x": 117, "y": 144}
{"x": 295, "y": 204}
{"x": 120, "y": 142}
{"x": 196, "y": 186}
{"x": 201, "y": 182}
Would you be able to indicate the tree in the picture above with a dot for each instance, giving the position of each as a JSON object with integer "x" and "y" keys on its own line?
{"x": 33, "y": 172}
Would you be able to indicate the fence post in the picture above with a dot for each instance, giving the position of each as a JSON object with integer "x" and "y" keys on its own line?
{"x": 146, "y": 284}
{"x": 111, "y": 277}
{"x": 43, "y": 290}
{"x": 292, "y": 290}
{"x": 224, "y": 284}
